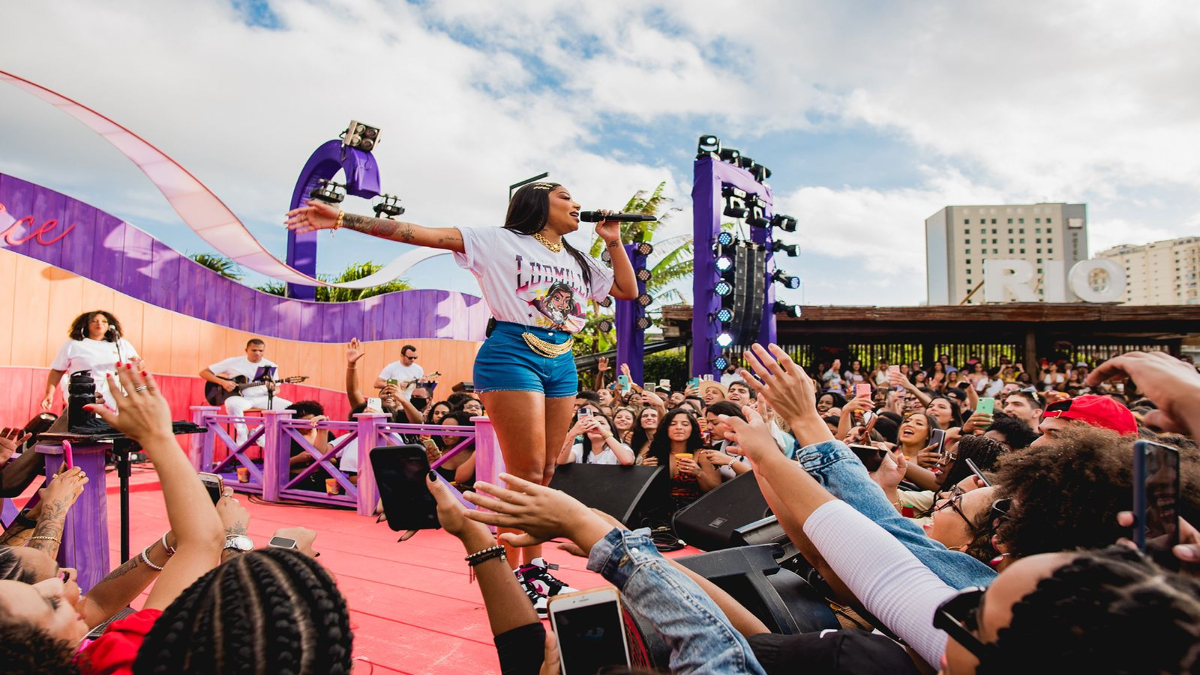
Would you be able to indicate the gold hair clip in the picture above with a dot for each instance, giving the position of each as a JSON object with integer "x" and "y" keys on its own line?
{"x": 542, "y": 186}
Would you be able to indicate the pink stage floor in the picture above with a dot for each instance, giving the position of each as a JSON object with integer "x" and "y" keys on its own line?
{"x": 411, "y": 607}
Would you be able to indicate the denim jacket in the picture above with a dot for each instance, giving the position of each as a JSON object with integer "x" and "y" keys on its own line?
{"x": 837, "y": 468}
{"x": 699, "y": 635}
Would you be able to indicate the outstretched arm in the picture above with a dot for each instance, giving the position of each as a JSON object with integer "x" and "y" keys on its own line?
{"x": 319, "y": 215}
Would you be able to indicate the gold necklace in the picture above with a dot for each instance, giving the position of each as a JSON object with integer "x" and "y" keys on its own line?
{"x": 546, "y": 242}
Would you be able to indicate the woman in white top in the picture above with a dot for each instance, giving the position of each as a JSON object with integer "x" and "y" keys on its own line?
{"x": 96, "y": 345}
{"x": 600, "y": 446}
{"x": 537, "y": 286}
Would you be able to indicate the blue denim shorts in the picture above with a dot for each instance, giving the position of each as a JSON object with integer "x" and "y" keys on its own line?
{"x": 506, "y": 363}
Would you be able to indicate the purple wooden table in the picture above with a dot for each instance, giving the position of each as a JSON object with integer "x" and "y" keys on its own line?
{"x": 85, "y": 532}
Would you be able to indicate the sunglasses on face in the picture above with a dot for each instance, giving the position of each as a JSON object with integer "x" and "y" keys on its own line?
{"x": 958, "y": 616}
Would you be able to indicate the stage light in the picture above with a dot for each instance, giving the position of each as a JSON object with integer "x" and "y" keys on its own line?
{"x": 643, "y": 323}
{"x": 729, "y": 155}
{"x": 724, "y": 340}
{"x": 604, "y": 326}
{"x": 786, "y": 280}
{"x": 709, "y": 145}
{"x": 731, "y": 191}
{"x": 388, "y": 208}
{"x": 606, "y": 302}
{"x": 785, "y": 223}
{"x": 720, "y": 363}
{"x": 760, "y": 172}
{"x": 643, "y": 275}
{"x": 724, "y": 315}
{"x": 784, "y": 308}
{"x": 725, "y": 239}
{"x": 644, "y": 248}
{"x": 723, "y": 288}
{"x": 644, "y": 300}
{"x": 724, "y": 264}
{"x": 745, "y": 162}
{"x": 735, "y": 207}
{"x": 756, "y": 217}
{"x": 361, "y": 136}
{"x": 792, "y": 250}
{"x": 328, "y": 191}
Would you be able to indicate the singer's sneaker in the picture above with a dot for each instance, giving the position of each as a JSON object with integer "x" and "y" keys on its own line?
{"x": 531, "y": 592}
{"x": 537, "y": 572}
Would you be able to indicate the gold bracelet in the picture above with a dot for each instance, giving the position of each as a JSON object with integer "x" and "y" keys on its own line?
{"x": 45, "y": 538}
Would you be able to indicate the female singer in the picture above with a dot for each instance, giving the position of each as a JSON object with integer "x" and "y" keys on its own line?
{"x": 537, "y": 286}
{"x": 96, "y": 345}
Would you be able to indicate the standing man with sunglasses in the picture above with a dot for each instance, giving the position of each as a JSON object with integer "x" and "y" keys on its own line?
{"x": 406, "y": 372}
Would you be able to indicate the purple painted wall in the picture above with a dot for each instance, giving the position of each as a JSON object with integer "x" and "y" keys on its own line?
{"x": 48, "y": 226}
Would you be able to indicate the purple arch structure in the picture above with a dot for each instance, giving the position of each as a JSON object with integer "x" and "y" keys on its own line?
{"x": 362, "y": 180}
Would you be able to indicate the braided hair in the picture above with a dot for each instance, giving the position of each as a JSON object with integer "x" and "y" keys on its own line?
{"x": 12, "y": 567}
{"x": 528, "y": 211}
{"x": 1108, "y": 611}
{"x": 26, "y": 648}
{"x": 268, "y": 611}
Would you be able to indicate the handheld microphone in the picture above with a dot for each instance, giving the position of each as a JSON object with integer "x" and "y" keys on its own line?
{"x": 597, "y": 216}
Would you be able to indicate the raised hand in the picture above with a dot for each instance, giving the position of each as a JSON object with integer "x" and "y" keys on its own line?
{"x": 10, "y": 439}
{"x": 145, "y": 415}
{"x": 66, "y": 487}
{"x": 752, "y": 436}
{"x": 928, "y": 457}
{"x": 354, "y": 352}
{"x": 784, "y": 385}
{"x": 539, "y": 512}
{"x": 1172, "y": 384}
{"x": 451, "y": 513}
{"x": 602, "y": 364}
{"x": 317, "y": 215}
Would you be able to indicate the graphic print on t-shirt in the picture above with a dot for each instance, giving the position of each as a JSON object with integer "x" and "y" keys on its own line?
{"x": 551, "y": 290}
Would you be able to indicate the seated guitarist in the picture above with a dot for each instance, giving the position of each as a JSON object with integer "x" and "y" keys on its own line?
{"x": 222, "y": 374}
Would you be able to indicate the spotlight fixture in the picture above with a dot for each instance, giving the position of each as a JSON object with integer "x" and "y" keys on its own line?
{"x": 643, "y": 248}
{"x": 724, "y": 315}
{"x": 709, "y": 145}
{"x": 792, "y": 250}
{"x": 785, "y": 223}
{"x": 644, "y": 300}
{"x": 604, "y": 326}
{"x": 724, "y": 264}
{"x": 328, "y": 191}
{"x": 760, "y": 173}
{"x": 725, "y": 239}
{"x": 731, "y": 191}
{"x": 388, "y": 208}
{"x": 361, "y": 136}
{"x": 724, "y": 340}
{"x": 744, "y": 162}
{"x": 606, "y": 302}
{"x": 643, "y": 323}
{"x": 784, "y": 308}
{"x": 735, "y": 207}
{"x": 756, "y": 218}
{"x": 720, "y": 363}
{"x": 723, "y": 288}
{"x": 643, "y": 275}
{"x": 729, "y": 155}
{"x": 786, "y": 279}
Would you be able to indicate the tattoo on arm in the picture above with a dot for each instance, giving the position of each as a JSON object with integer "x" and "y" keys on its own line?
{"x": 125, "y": 568}
{"x": 235, "y": 529}
{"x": 379, "y": 227}
{"x": 50, "y": 524}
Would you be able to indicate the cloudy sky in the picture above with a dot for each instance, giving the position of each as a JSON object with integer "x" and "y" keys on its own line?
{"x": 872, "y": 115}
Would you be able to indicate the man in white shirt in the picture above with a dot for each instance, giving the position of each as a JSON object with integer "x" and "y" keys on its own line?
{"x": 406, "y": 372}
{"x": 222, "y": 374}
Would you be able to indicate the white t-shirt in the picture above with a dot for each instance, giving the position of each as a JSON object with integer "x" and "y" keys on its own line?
{"x": 240, "y": 365}
{"x": 605, "y": 457}
{"x": 526, "y": 283}
{"x": 726, "y": 471}
{"x": 98, "y": 356}
{"x": 398, "y": 371}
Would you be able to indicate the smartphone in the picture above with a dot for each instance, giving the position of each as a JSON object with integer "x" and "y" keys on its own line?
{"x": 68, "y": 454}
{"x": 585, "y": 412}
{"x": 1156, "y": 501}
{"x": 862, "y": 390}
{"x": 869, "y": 420}
{"x": 938, "y": 437}
{"x": 590, "y": 630}
{"x": 869, "y": 455}
{"x": 694, "y": 382}
{"x": 893, "y": 373}
{"x": 375, "y": 404}
{"x": 626, "y": 385}
{"x": 707, "y": 377}
{"x": 978, "y": 474}
{"x": 214, "y": 484}
{"x": 665, "y": 384}
{"x": 986, "y": 406}
{"x": 393, "y": 381}
{"x": 401, "y": 472}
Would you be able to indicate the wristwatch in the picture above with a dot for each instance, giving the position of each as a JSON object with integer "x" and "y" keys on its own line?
{"x": 239, "y": 542}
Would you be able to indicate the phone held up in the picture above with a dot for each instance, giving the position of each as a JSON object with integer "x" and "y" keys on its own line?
{"x": 938, "y": 437}
{"x": 1156, "y": 501}
{"x": 987, "y": 406}
{"x": 401, "y": 472}
{"x": 214, "y": 484}
{"x": 590, "y": 629}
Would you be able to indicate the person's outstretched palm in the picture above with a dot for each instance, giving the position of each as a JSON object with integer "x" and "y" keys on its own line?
{"x": 317, "y": 215}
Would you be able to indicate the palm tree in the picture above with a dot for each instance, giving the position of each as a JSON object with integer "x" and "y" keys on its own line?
{"x": 219, "y": 264}
{"x": 353, "y": 272}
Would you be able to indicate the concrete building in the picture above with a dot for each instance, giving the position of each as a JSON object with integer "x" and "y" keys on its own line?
{"x": 1160, "y": 273}
{"x": 959, "y": 238}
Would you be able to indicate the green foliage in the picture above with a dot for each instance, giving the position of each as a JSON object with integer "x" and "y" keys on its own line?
{"x": 352, "y": 273}
{"x": 669, "y": 365}
{"x": 219, "y": 264}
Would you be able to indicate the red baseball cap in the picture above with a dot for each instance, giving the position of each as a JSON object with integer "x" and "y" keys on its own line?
{"x": 1098, "y": 411}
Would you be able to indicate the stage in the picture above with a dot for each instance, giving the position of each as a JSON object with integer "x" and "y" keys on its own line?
{"x": 411, "y": 607}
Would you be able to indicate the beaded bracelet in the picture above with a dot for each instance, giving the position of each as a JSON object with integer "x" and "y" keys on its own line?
{"x": 480, "y": 557}
{"x": 45, "y": 538}
{"x": 340, "y": 219}
{"x": 170, "y": 551}
{"x": 146, "y": 559}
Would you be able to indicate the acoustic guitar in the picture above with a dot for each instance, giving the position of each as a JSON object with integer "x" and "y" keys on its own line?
{"x": 216, "y": 394}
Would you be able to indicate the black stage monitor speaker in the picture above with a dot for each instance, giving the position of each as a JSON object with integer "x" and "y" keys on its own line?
{"x": 627, "y": 493}
{"x": 782, "y": 600}
{"x": 710, "y": 522}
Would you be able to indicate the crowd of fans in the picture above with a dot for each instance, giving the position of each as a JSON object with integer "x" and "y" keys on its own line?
{"x": 1013, "y": 560}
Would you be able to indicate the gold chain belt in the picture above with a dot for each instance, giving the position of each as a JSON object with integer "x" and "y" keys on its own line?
{"x": 548, "y": 349}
